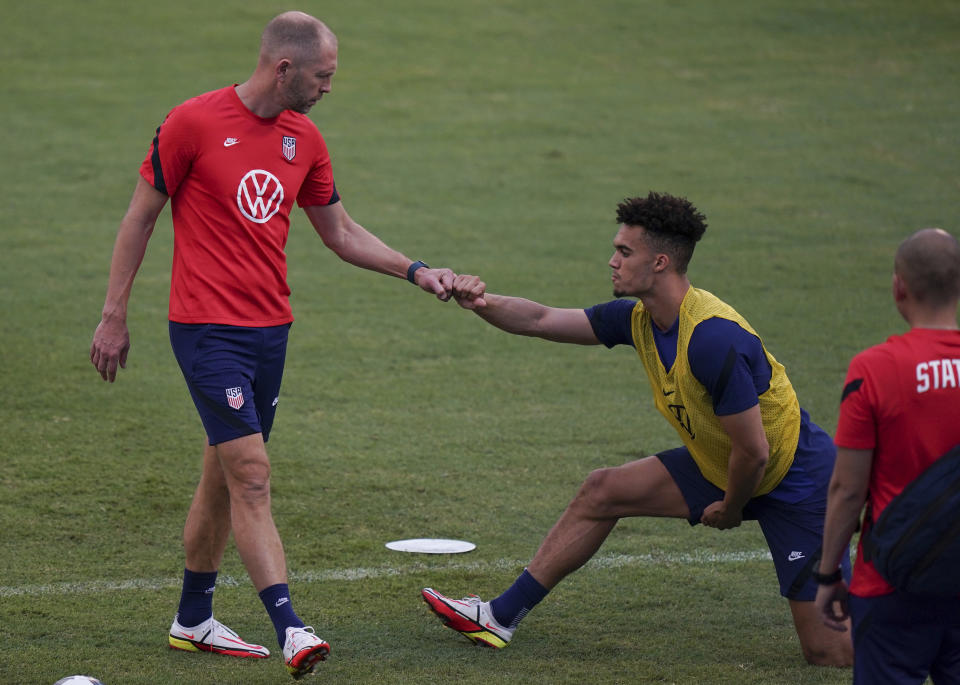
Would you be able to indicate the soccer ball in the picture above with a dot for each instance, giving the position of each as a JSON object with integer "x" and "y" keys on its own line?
{"x": 78, "y": 680}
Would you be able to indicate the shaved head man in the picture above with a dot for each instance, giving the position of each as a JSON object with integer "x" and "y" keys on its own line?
{"x": 233, "y": 162}
{"x": 898, "y": 415}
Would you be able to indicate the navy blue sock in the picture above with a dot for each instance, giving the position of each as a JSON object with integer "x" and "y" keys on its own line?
{"x": 196, "y": 598}
{"x": 525, "y": 593}
{"x": 276, "y": 599}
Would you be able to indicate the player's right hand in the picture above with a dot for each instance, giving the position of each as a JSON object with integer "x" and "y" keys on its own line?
{"x": 468, "y": 291}
{"x": 111, "y": 342}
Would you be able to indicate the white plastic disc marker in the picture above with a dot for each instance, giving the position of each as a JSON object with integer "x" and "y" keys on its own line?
{"x": 431, "y": 546}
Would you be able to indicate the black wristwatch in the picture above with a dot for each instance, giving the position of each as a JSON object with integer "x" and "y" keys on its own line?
{"x": 412, "y": 269}
{"x": 828, "y": 578}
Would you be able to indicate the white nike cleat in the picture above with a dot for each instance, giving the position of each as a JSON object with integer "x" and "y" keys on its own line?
{"x": 470, "y": 616}
{"x": 303, "y": 650}
{"x": 213, "y": 636}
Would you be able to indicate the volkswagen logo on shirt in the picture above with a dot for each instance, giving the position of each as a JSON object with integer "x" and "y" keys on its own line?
{"x": 259, "y": 195}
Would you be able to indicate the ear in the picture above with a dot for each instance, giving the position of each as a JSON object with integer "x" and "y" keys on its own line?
{"x": 661, "y": 262}
{"x": 282, "y": 68}
{"x": 899, "y": 288}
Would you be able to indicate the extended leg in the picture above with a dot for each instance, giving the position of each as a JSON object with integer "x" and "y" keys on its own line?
{"x": 639, "y": 488}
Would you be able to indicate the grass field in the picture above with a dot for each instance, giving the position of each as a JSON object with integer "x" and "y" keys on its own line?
{"x": 493, "y": 137}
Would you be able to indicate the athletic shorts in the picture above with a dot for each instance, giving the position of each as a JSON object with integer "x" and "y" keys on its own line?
{"x": 794, "y": 532}
{"x": 901, "y": 638}
{"x": 233, "y": 374}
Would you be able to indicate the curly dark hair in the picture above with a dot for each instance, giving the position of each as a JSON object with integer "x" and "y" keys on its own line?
{"x": 672, "y": 224}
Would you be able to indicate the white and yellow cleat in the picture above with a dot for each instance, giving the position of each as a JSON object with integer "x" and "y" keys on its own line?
{"x": 470, "y": 616}
{"x": 213, "y": 636}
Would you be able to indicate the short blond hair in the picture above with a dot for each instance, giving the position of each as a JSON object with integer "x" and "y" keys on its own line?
{"x": 294, "y": 35}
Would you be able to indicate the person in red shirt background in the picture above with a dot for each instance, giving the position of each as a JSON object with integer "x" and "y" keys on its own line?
{"x": 900, "y": 411}
{"x": 232, "y": 162}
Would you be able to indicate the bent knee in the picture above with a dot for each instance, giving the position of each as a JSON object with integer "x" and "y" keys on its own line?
{"x": 595, "y": 493}
{"x": 837, "y": 653}
{"x": 821, "y": 646}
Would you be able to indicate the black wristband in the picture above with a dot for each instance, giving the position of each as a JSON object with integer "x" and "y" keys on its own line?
{"x": 412, "y": 269}
{"x": 827, "y": 578}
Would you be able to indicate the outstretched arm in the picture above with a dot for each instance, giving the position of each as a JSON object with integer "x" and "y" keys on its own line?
{"x": 358, "y": 246}
{"x": 524, "y": 317}
{"x": 111, "y": 340}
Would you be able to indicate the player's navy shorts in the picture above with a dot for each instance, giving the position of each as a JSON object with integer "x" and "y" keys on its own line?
{"x": 794, "y": 531}
{"x": 901, "y": 638}
{"x": 233, "y": 374}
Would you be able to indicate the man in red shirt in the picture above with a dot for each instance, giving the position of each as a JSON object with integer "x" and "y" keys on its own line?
{"x": 900, "y": 411}
{"x": 232, "y": 162}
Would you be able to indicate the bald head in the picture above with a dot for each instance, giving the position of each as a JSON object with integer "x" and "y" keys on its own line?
{"x": 928, "y": 262}
{"x": 295, "y": 36}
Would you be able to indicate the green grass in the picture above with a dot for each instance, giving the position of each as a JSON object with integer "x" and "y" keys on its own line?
{"x": 494, "y": 137}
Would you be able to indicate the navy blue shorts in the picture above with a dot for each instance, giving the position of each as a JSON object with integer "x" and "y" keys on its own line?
{"x": 901, "y": 638}
{"x": 233, "y": 374}
{"x": 793, "y": 531}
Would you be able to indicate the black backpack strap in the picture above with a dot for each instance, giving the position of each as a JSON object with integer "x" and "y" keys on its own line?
{"x": 866, "y": 542}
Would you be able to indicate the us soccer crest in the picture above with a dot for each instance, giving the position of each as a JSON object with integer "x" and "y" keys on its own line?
{"x": 289, "y": 148}
{"x": 235, "y": 397}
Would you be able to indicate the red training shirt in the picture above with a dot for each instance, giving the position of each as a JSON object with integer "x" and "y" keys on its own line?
{"x": 232, "y": 178}
{"x": 901, "y": 399}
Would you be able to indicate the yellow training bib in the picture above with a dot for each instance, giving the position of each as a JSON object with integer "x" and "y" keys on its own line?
{"x": 686, "y": 404}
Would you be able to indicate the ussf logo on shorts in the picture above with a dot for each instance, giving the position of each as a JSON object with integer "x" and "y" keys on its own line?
{"x": 235, "y": 397}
